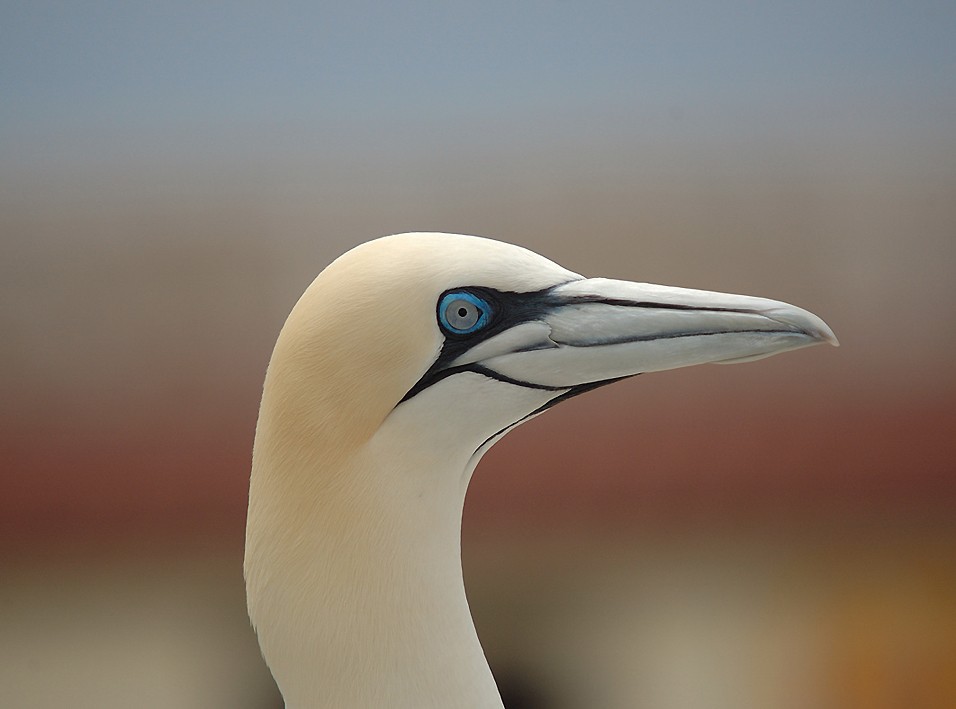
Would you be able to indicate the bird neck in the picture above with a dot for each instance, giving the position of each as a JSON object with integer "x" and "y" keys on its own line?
{"x": 354, "y": 583}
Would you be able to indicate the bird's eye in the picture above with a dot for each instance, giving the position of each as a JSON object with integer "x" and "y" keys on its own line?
{"x": 462, "y": 313}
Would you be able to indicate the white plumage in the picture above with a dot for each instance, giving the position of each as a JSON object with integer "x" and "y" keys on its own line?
{"x": 402, "y": 363}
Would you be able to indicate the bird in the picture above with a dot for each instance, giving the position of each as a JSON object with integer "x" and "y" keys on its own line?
{"x": 402, "y": 363}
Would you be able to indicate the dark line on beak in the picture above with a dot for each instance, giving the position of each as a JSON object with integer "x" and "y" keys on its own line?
{"x": 573, "y": 391}
{"x": 674, "y": 336}
{"x": 476, "y": 369}
{"x": 575, "y": 299}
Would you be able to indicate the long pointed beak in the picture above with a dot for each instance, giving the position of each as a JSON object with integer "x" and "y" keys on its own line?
{"x": 598, "y": 329}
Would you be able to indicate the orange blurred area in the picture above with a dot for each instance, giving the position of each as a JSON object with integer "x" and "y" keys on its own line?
{"x": 776, "y": 534}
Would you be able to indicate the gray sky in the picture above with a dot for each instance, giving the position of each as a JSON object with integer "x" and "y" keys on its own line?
{"x": 108, "y": 82}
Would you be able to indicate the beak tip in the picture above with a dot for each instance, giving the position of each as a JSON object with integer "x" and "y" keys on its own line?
{"x": 823, "y": 333}
{"x": 806, "y": 322}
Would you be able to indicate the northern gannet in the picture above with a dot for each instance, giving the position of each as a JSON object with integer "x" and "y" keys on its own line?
{"x": 399, "y": 367}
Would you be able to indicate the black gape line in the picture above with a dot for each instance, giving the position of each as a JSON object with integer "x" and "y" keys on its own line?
{"x": 509, "y": 309}
{"x": 568, "y": 393}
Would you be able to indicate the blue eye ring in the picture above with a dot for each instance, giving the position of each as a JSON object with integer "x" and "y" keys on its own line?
{"x": 462, "y": 313}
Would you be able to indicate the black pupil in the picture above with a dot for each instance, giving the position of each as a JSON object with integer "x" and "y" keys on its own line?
{"x": 461, "y": 315}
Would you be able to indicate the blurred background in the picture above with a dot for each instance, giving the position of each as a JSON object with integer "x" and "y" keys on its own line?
{"x": 173, "y": 175}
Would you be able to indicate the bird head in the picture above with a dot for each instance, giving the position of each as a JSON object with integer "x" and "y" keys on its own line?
{"x": 452, "y": 340}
